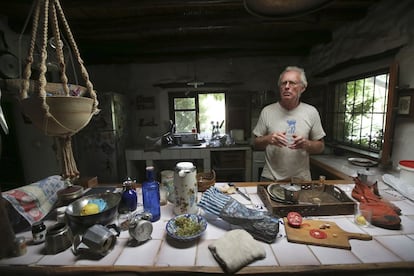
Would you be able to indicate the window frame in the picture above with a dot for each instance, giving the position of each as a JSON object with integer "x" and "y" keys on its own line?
{"x": 172, "y": 95}
{"x": 181, "y": 94}
{"x": 384, "y": 155}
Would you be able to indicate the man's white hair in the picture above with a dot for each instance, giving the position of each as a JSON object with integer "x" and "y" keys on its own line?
{"x": 301, "y": 72}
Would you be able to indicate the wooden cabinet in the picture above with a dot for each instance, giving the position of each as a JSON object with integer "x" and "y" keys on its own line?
{"x": 229, "y": 165}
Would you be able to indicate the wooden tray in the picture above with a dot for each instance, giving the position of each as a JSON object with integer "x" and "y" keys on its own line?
{"x": 331, "y": 201}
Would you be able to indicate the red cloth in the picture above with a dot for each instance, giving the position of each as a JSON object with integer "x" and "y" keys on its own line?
{"x": 384, "y": 213}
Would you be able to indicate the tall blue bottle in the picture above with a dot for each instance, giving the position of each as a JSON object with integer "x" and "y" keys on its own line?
{"x": 151, "y": 194}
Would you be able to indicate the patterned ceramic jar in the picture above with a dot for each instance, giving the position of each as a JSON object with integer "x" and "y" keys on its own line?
{"x": 185, "y": 188}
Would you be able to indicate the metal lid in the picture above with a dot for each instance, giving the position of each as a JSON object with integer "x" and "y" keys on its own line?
{"x": 184, "y": 166}
{"x": 70, "y": 192}
{"x": 407, "y": 164}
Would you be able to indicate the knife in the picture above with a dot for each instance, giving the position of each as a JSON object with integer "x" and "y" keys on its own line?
{"x": 240, "y": 192}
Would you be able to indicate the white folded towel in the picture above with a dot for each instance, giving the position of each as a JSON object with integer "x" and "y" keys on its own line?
{"x": 236, "y": 249}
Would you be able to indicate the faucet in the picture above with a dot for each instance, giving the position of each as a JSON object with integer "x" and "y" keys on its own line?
{"x": 215, "y": 131}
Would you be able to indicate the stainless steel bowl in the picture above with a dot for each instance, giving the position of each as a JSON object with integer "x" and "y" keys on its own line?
{"x": 80, "y": 223}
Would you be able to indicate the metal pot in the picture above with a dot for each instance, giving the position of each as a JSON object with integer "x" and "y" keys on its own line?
{"x": 58, "y": 238}
{"x": 291, "y": 192}
{"x": 367, "y": 177}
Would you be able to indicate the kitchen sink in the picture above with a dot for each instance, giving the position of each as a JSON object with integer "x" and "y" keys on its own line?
{"x": 189, "y": 146}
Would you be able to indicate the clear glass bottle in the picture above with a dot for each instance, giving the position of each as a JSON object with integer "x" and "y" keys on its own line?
{"x": 129, "y": 199}
{"x": 290, "y": 131}
{"x": 151, "y": 194}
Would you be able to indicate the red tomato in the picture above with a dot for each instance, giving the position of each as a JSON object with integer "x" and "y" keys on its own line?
{"x": 294, "y": 219}
{"x": 318, "y": 234}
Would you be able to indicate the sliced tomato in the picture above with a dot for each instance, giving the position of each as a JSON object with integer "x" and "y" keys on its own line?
{"x": 318, "y": 234}
{"x": 294, "y": 219}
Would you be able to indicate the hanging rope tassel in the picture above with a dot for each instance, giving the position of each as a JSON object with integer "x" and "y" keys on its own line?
{"x": 69, "y": 169}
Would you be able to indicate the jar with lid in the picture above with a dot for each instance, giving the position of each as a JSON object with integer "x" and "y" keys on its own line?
{"x": 185, "y": 187}
{"x": 151, "y": 194}
{"x": 129, "y": 198}
{"x": 38, "y": 232}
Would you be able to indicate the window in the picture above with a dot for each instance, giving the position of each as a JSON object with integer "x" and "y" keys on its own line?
{"x": 197, "y": 110}
{"x": 359, "y": 112}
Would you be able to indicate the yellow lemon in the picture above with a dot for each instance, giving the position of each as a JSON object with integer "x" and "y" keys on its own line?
{"x": 90, "y": 209}
{"x": 361, "y": 220}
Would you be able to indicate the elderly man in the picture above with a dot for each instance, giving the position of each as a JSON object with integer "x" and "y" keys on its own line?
{"x": 289, "y": 130}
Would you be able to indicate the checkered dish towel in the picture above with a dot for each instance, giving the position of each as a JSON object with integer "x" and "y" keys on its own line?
{"x": 36, "y": 200}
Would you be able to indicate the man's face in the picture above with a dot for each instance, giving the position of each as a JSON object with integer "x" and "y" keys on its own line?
{"x": 290, "y": 86}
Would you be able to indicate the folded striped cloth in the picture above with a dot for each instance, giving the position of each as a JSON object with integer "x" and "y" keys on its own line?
{"x": 260, "y": 225}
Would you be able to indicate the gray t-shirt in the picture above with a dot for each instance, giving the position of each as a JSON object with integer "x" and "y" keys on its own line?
{"x": 282, "y": 162}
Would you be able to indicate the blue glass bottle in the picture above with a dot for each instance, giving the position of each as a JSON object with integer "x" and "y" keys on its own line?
{"x": 151, "y": 195}
{"x": 129, "y": 199}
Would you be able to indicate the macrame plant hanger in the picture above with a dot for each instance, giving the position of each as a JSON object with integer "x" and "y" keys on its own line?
{"x": 59, "y": 115}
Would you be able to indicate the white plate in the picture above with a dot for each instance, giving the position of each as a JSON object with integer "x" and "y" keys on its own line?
{"x": 276, "y": 192}
{"x": 363, "y": 162}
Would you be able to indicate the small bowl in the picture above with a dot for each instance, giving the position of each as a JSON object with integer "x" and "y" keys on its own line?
{"x": 172, "y": 227}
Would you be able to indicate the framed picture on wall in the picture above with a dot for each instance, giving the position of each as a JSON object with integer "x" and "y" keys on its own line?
{"x": 406, "y": 103}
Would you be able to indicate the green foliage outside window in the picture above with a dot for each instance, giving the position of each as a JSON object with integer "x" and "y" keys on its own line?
{"x": 206, "y": 107}
{"x": 360, "y": 112}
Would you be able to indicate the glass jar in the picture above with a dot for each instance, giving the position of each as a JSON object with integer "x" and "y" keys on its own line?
{"x": 38, "y": 232}
{"x": 129, "y": 199}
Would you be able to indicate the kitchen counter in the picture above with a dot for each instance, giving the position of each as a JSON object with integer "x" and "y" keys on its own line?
{"x": 390, "y": 252}
{"x": 183, "y": 153}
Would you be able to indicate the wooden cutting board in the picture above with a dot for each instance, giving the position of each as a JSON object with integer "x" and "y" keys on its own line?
{"x": 323, "y": 233}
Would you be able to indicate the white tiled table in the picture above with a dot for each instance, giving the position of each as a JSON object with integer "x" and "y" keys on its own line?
{"x": 389, "y": 249}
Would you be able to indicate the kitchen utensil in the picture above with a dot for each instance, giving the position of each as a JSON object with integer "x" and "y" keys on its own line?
{"x": 99, "y": 239}
{"x": 276, "y": 192}
{"x": 291, "y": 192}
{"x": 3, "y": 123}
{"x": 79, "y": 223}
{"x": 58, "y": 238}
{"x": 173, "y": 226}
{"x": 322, "y": 233}
{"x": 239, "y": 192}
{"x": 363, "y": 162}
{"x": 367, "y": 177}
